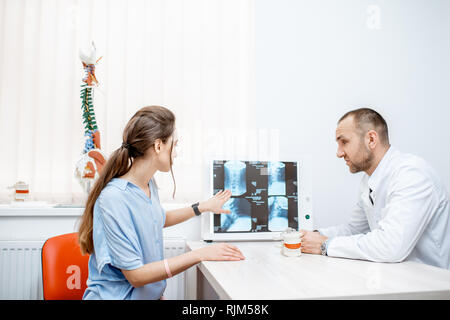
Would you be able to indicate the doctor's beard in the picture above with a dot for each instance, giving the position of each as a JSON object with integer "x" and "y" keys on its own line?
{"x": 365, "y": 163}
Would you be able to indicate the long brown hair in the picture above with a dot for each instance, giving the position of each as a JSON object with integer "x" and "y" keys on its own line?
{"x": 146, "y": 126}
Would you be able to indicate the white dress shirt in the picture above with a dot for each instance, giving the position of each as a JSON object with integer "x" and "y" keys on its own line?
{"x": 409, "y": 219}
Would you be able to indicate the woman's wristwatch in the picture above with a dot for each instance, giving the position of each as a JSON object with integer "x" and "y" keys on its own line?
{"x": 196, "y": 210}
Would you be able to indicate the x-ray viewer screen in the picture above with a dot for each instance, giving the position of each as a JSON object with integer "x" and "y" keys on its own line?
{"x": 264, "y": 196}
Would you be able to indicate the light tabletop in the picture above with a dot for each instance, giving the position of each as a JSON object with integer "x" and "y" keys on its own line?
{"x": 267, "y": 274}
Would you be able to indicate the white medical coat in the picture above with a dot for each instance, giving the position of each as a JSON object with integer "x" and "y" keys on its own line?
{"x": 409, "y": 219}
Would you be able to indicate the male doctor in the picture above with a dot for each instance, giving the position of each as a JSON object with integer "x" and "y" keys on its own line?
{"x": 402, "y": 211}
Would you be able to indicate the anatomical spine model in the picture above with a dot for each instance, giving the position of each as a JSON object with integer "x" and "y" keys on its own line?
{"x": 92, "y": 159}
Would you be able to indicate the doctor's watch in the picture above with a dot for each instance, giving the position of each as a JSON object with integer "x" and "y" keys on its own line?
{"x": 324, "y": 247}
{"x": 196, "y": 210}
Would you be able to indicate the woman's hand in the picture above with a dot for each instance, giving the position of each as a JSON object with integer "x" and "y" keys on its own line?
{"x": 220, "y": 252}
{"x": 216, "y": 203}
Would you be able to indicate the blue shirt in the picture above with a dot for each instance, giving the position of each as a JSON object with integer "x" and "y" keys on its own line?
{"x": 127, "y": 234}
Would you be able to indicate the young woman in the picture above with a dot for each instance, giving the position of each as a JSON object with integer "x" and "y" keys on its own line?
{"x": 121, "y": 227}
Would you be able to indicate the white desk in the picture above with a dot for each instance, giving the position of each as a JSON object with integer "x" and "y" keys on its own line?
{"x": 266, "y": 274}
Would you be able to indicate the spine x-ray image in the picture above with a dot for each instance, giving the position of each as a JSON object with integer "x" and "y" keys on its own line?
{"x": 235, "y": 177}
{"x": 278, "y": 213}
{"x": 277, "y": 185}
{"x": 263, "y": 195}
{"x": 239, "y": 219}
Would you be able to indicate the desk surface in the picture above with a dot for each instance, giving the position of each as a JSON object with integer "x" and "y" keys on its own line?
{"x": 267, "y": 274}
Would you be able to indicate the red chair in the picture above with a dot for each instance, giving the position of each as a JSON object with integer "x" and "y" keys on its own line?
{"x": 64, "y": 268}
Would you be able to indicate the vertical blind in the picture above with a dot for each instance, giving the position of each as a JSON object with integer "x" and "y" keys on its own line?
{"x": 195, "y": 57}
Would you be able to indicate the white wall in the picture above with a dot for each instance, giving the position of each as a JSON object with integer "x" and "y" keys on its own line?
{"x": 315, "y": 60}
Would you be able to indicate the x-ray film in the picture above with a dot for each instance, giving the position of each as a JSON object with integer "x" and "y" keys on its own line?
{"x": 264, "y": 196}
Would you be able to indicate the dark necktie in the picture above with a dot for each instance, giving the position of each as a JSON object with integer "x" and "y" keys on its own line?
{"x": 370, "y": 197}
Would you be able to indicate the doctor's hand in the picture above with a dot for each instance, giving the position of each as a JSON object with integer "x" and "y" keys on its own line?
{"x": 215, "y": 203}
{"x": 311, "y": 241}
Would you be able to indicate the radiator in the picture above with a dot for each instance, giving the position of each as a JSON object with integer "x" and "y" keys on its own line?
{"x": 175, "y": 289}
{"x": 21, "y": 270}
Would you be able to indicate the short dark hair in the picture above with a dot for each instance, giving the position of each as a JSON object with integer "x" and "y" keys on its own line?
{"x": 366, "y": 117}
